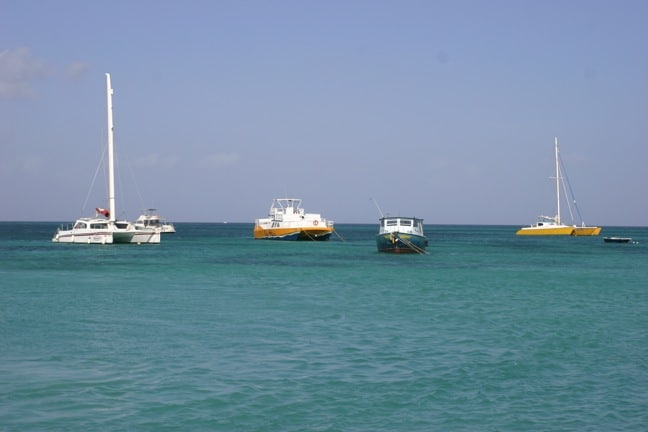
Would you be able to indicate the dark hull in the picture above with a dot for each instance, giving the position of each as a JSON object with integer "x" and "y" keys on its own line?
{"x": 303, "y": 235}
{"x": 616, "y": 239}
{"x": 313, "y": 236}
{"x": 401, "y": 243}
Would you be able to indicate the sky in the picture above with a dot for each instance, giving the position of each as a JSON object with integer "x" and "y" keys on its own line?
{"x": 444, "y": 110}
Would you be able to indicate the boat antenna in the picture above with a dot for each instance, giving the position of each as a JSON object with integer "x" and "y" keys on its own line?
{"x": 379, "y": 211}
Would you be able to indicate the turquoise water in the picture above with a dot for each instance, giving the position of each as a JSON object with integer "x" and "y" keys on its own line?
{"x": 212, "y": 330}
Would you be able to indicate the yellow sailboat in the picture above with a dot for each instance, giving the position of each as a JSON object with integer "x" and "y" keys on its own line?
{"x": 547, "y": 225}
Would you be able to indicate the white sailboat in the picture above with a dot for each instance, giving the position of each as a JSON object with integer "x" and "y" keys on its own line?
{"x": 553, "y": 225}
{"x": 103, "y": 228}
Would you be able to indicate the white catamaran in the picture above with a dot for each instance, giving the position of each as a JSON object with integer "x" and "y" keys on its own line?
{"x": 102, "y": 228}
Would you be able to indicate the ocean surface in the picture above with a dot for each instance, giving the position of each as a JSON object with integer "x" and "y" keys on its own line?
{"x": 212, "y": 330}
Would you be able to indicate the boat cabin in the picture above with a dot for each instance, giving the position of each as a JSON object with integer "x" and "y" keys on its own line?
{"x": 406, "y": 225}
{"x": 79, "y": 225}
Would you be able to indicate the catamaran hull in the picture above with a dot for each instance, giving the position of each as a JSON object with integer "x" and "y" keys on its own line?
{"x": 123, "y": 237}
{"x": 587, "y": 231}
{"x": 400, "y": 243}
{"x": 136, "y": 236}
{"x": 546, "y": 231}
{"x": 293, "y": 234}
{"x": 83, "y": 238}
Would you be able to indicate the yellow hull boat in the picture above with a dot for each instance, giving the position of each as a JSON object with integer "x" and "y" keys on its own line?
{"x": 546, "y": 230}
{"x": 552, "y": 226}
{"x": 587, "y": 231}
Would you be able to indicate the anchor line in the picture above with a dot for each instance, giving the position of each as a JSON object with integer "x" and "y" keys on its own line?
{"x": 412, "y": 246}
{"x": 308, "y": 235}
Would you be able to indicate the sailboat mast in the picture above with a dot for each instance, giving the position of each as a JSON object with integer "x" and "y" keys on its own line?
{"x": 557, "y": 181}
{"x": 111, "y": 155}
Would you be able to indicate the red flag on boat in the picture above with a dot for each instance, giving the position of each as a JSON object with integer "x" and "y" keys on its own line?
{"x": 103, "y": 211}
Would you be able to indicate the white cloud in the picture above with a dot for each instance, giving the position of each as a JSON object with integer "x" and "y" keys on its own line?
{"x": 18, "y": 70}
{"x": 216, "y": 160}
{"x": 76, "y": 69}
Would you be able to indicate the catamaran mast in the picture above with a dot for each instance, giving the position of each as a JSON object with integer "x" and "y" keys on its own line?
{"x": 557, "y": 181}
{"x": 111, "y": 156}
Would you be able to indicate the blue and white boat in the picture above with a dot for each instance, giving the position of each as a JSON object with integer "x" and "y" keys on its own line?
{"x": 398, "y": 234}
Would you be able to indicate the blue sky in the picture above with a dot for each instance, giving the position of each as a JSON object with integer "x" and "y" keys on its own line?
{"x": 445, "y": 110}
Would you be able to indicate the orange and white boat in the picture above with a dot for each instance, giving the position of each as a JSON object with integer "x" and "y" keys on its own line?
{"x": 288, "y": 221}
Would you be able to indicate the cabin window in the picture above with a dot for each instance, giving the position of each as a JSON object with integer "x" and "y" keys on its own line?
{"x": 392, "y": 222}
{"x": 406, "y": 222}
{"x": 80, "y": 225}
{"x": 98, "y": 226}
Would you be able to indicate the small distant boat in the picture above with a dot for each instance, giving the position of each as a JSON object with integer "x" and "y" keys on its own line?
{"x": 103, "y": 228}
{"x": 548, "y": 225}
{"x": 399, "y": 234}
{"x": 288, "y": 221}
{"x": 617, "y": 239}
{"x": 151, "y": 219}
